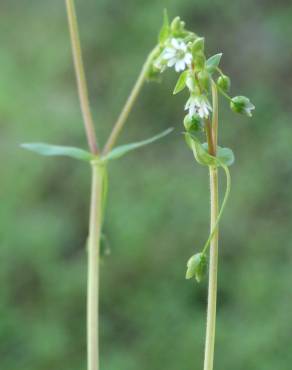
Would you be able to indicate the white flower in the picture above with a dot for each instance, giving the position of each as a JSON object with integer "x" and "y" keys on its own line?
{"x": 177, "y": 55}
{"x": 198, "y": 104}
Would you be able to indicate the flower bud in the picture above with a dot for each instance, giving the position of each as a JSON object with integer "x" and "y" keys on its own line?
{"x": 196, "y": 267}
{"x": 193, "y": 124}
{"x": 198, "y": 45}
{"x": 224, "y": 82}
{"x": 242, "y": 105}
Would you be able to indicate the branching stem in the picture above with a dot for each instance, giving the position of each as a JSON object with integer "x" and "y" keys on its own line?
{"x": 80, "y": 76}
{"x": 118, "y": 126}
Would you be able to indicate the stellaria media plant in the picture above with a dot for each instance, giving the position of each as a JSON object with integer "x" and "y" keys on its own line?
{"x": 203, "y": 78}
{"x": 184, "y": 51}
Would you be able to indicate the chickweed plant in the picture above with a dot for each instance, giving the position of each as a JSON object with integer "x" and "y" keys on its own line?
{"x": 184, "y": 51}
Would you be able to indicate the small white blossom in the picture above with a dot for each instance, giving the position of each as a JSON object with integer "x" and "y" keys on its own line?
{"x": 177, "y": 55}
{"x": 198, "y": 104}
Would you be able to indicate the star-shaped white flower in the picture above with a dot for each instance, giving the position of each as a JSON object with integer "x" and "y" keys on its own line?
{"x": 198, "y": 105}
{"x": 177, "y": 55}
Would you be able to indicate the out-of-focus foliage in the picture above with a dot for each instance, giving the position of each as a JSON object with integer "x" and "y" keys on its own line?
{"x": 151, "y": 318}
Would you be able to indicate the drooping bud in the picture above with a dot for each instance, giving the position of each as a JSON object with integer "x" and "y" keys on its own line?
{"x": 242, "y": 105}
{"x": 224, "y": 82}
{"x": 196, "y": 267}
{"x": 193, "y": 124}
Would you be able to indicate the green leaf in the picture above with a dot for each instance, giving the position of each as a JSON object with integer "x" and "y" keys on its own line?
{"x": 164, "y": 32}
{"x": 124, "y": 149}
{"x": 213, "y": 62}
{"x": 225, "y": 156}
{"x": 57, "y": 150}
{"x": 181, "y": 82}
{"x": 196, "y": 266}
{"x": 200, "y": 152}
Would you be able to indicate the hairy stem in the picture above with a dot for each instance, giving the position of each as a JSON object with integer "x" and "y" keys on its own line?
{"x": 93, "y": 266}
{"x": 227, "y": 192}
{"x": 118, "y": 126}
{"x": 80, "y": 76}
{"x": 213, "y": 263}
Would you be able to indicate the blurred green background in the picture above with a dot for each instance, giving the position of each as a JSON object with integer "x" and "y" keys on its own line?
{"x": 157, "y": 215}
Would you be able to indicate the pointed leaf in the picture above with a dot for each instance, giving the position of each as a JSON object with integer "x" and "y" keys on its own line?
{"x": 57, "y": 150}
{"x": 200, "y": 152}
{"x": 164, "y": 32}
{"x": 124, "y": 149}
{"x": 213, "y": 62}
{"x": 181, "y": 82}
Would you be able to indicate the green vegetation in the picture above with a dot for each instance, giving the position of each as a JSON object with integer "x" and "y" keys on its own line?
{"x": 150, "y": 317}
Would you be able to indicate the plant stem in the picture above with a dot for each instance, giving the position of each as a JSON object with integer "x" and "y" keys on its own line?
{"x": 80, "y": 76}
{"x": 215, "y": 114}
{"x": 118, "y": 126}
{"x": 93, "y": 266}
{"x": 213, "y": 261}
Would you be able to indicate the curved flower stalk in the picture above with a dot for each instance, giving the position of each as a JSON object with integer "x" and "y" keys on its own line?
{"x": 184, "y": 51}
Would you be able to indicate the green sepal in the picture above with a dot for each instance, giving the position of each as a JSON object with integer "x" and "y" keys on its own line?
{"x": 124, "y": 149}
{"x": 57, "y": 150}
{"x": 204, "y": 79}
{"x": 213, "y": 62}
{"x": 165, "y": 30}
{"x": 181, "y": 82}
{"x": 196, "y": 267}
{"x": 199, "y": 60}
{"x": 198, "y": 45}
{"x": 242, "y": 105}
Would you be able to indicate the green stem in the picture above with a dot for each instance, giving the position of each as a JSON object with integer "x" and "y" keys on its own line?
{"x": 213, "y": 263}
{"x": 224, "y": 93}
{"x": 80, "y": 76}
{"x": 214, "y": 235}
{"x": 118, "y": 126}
{"x": 226, "y": 195}
{"x": 215, "y": 113}
{"x": 93, "y": 266}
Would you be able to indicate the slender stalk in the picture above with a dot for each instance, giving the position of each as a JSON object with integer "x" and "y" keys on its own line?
{"x": 118, "y": 126}
{"x": 212, "y": 288}
{"x": 93, "y": 267}
{"x": 80, "y": 76}
{"x": 215, "y": 113}
{"x": 213, "y": 261}
{"x": 210, "y": 138}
